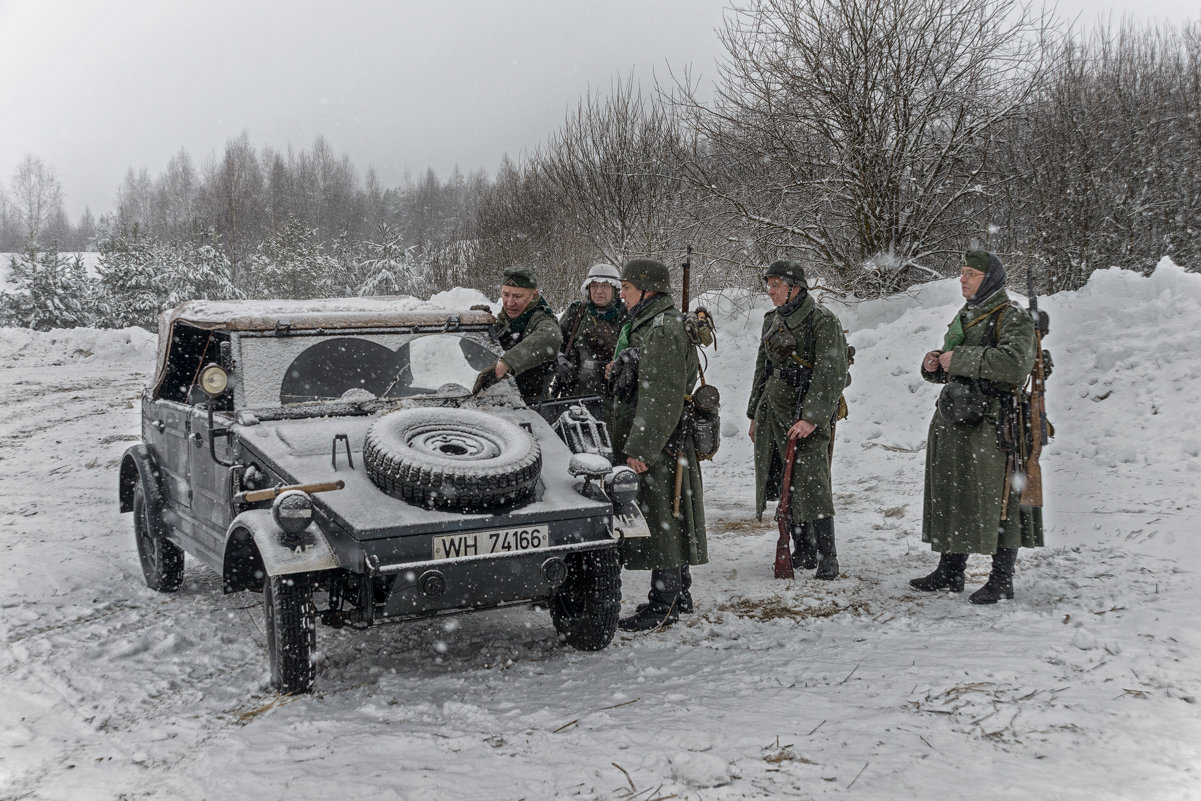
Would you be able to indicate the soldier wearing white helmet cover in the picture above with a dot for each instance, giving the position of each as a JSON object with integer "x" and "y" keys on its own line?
{"x": 590, "y": 329}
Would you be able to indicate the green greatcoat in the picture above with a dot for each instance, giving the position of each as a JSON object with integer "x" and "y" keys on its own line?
{"x": 965, "y": 471}
{"x": 531, "y": 341}
{"x": 773, "y": 406}
{"x": 593, "y": 343}
{"x": 667, "y": 371}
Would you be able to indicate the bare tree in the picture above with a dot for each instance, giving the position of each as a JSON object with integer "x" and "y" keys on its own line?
{"x": 234, "y": 195}
{"x": 36, "y": 198}
{"x": 1107, "y": 158}
{"x": 136, "y": 201}
{"x": 853, "y": 134}
{"x": 176, "y": 203}
{"x": 611, "y": 165}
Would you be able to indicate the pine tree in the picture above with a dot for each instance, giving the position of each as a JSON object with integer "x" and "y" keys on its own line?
{"x": 387, "y": 267}
{"x": 131, "y": 286}
{"x": 48, "y": 290}
{"x": 198, "y": 270}
{"x": 291, "y": 264}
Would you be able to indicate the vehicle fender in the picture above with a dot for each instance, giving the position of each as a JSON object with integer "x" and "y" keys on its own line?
{"x": 628, "y": 522}
{"x": 138, "y": 464}
{"x": 311, "y": 553}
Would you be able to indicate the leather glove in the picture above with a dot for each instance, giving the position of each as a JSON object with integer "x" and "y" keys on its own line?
{"x": 486, "y": 378}
{"x": 565, "y": 370}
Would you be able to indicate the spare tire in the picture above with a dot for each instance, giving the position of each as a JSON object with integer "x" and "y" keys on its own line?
{"x": 451, "y": 458}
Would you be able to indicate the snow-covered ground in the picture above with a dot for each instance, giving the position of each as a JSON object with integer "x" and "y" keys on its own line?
{"x": 1085, "y": 686}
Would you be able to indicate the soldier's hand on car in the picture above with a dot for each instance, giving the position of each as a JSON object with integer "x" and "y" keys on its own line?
{"x": 486, "y": 378}
{"x": 801, "y": 429}
{"x": 930, "y": 361}
{"x": 637, "y": 465}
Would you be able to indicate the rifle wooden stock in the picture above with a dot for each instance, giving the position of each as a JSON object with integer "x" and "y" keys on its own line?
{"x": 271, "y": 493}
{"x": 1032, "y": 491}
{"x": 783, "y": 566}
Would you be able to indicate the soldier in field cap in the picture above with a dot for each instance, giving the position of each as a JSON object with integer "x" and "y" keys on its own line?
{"x": 987, "y": 352}
{"x": 528, "y": 331}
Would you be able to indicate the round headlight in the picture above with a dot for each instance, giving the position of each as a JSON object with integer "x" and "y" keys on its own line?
{"x": 213, "y": 380}
{"x": 622, "y": 485}
{"x": 293, "y": 511}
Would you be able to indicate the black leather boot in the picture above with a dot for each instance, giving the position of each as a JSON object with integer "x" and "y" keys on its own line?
{"x": 827, "y": 553}
{"x": 662, "y": 607}
{"x": 947, "y": 576}
{"x": 1000, "y": 580}
{"x": 804, "y": 551}
{"x": 684, "y": 604}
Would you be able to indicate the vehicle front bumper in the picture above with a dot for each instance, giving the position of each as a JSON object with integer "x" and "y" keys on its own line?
{"x": 416, "y": 589}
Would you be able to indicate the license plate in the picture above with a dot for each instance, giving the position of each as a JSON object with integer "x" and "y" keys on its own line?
{"x": 630, "y": 525}
{"x": 481, "y": 543}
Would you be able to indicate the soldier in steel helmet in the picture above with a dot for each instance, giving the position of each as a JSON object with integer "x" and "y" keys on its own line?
{"x": 590, "y": 328}
{"x": 655, "y": 366}
{"x": 800, "y": 372}
{"x": 987, "y": 352}
{"x": 528, "y": 331}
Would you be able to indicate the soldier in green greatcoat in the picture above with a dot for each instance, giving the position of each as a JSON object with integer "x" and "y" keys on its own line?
{"x": 590, "y": 329}
{"x": 528, "y": 331}
{"x": 987, "y": 352}
{"x": 800, "y": 372}
{"x": 655, "y": 366}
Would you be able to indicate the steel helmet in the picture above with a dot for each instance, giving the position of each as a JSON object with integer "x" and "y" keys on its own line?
{"x": 647, "y": 274}
{"x": 602, "y": 274}
{"x": 791, "y": 271}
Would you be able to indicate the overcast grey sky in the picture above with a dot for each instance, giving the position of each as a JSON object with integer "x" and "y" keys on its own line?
{"x": 94, "y": 88}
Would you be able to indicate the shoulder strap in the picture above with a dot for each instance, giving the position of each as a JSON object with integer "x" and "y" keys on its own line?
{"x": 993, "y": 332}
{"x": 811, "y": 332}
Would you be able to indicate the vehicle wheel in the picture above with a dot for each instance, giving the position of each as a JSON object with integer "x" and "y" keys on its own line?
{"x": 451, "y": 458}
{"x": 162, "y": 560}
{"x": 585, "y": 608}
{"x": 291, "y": 631}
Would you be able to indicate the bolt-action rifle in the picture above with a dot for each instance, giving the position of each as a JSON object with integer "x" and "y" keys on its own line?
{"x": 783, "y": 567}
{"x": 552, "y": 388}
{"x": 1032, "y": 490}
{"x": 681, "y": 450}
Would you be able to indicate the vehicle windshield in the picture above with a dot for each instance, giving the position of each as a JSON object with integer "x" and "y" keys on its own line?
{"x": 283, "y": 371}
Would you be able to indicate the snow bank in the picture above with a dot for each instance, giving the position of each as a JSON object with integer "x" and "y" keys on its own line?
{"x": 61, "y": 346}
{"x": 1126, "y": 350}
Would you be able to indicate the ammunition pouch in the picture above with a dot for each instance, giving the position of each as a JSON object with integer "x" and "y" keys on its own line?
{"x": 600, "y": 340}
{"x": 624, "y": 377}
{"x": 780, "y": 343}
{"x": 1009, "y": 421}
{"x": 797, "y": 376}
{"x": 962, "y": 403}
{"x": 704, "y": 409}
